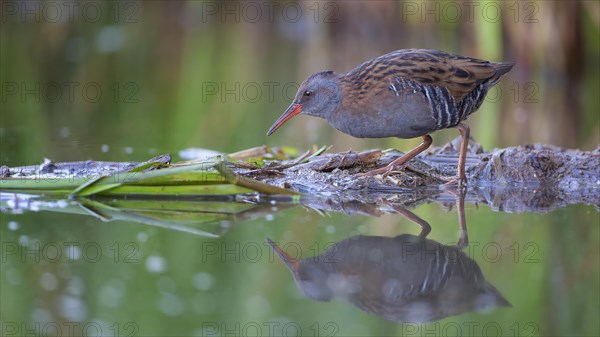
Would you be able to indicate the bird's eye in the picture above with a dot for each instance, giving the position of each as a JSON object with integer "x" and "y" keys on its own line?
{"x": 307, "y": 93}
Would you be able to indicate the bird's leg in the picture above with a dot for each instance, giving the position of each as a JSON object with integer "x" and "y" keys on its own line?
{"x": 425, "y": 227}
{"x": 461, "y": 177}
{"x": 459, "y": 196}
{"x": 402, "y": 160}
{"x": 464, "y": 143}
{"x": 462, "y": 221}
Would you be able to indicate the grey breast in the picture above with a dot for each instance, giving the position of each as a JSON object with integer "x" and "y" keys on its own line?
{"x": 400, "y": 110}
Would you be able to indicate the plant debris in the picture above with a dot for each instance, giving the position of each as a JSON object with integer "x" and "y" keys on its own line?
{"x": 539, "y": 177}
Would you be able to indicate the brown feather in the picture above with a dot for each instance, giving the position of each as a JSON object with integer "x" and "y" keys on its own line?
{"x": 459, "y": 74}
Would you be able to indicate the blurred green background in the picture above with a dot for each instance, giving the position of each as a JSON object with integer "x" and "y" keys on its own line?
{"x": 125, "y": 80}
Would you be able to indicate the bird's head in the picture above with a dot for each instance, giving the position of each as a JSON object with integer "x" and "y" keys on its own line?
{"x": 319, "y": 95}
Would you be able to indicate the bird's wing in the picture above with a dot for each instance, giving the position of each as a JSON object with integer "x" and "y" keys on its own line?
{"x": 459, "y": 74}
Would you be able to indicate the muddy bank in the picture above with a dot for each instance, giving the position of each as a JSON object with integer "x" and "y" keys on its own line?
{"x": 517, "y": 179}
{"x": 532, "y": 177}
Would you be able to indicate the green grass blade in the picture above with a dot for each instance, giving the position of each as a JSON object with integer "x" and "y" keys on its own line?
{"x": 107, "y": 183}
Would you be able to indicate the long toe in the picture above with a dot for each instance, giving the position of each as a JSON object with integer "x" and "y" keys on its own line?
{"x": 455, "y": 182}
{"x": 382, "y": 170}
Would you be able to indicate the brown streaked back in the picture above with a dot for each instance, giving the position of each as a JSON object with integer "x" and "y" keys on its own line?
{"x": 459, "y": 74}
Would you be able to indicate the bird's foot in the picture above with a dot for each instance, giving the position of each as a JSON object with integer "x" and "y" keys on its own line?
{"x": 384, "y": 171}
{"x": 456, "y": 182}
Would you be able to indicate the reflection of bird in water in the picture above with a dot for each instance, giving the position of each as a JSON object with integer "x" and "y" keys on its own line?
{"x": 406, "y": 278}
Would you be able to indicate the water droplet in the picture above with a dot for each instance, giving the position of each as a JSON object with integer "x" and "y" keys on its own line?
{"x": 112, "y": 293}
{"x": 48, "y": 281}
{"x": 110, "y": 39}
{"x": 156, "y": 264}
{"x": 64, "y": 132}
{"x": 73, "y": 308}
{"x": 13, "y": 276}
{"x": 75, "y": 286}
{"x": 41, "y": 315}
{"x": 203, "y": 281}
{"x": 142, "y": 236}
{"x": 170, "y": 305}
{"x": 13, "y": 225}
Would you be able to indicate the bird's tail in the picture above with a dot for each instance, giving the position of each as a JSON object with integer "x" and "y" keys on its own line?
{"x": 498, "y": 299}
{"x": 501, "y": 69}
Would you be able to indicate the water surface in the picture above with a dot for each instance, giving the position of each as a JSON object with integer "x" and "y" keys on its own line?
{"x": 66, "y": 272}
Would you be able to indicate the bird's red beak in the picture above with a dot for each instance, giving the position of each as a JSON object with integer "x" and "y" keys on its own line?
{"x": 292, "y": 111}
{"x": 289, "y": 261}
